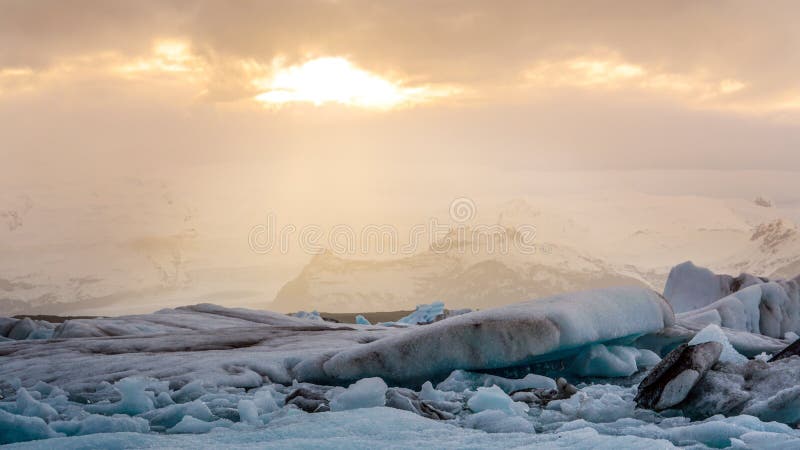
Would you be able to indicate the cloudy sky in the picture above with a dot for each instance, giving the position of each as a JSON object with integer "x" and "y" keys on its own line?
{"x": 135, "y": 126}
{"x": 321, "y": 100}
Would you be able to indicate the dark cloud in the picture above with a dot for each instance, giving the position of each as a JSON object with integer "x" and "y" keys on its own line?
{"x": 446, "y": 41}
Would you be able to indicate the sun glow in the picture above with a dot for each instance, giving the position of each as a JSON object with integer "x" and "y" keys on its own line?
{"x": 336, "y": 80}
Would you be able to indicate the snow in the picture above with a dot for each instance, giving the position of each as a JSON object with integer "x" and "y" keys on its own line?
{"x": 713, "y": 333}
{"x": 364, "y": 393}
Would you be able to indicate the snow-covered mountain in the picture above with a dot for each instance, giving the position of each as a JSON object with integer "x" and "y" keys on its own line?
{"x": 773, "y": 251}
{"x": 582, "y": 243}
{"x": 458, "y": 277}
{"x": 150, "y": 245}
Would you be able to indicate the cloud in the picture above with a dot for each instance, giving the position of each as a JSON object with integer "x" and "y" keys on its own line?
{"x": 470, "y": 43}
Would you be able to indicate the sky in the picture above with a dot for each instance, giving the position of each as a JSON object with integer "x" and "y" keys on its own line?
{"x": 357, "y": 110}
{"x": 116, "y": 86}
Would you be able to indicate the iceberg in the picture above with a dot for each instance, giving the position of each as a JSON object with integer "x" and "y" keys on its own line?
{"x": 520, "y": 334}
{"x": 424, "y": 314}
{"x": 361, "y": 320}
{"x": 599, "y": 360}
{"x": 690, "y": 287}
{"x": 771, "y": 309}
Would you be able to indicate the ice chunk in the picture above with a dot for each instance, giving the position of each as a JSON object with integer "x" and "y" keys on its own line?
{"x": 313, "y": 315}
{"x": 248, "y": 412}
{"x": 713, "y": 333}
{"x": 599, "y": 360}
{"x": 163, "y": 399}
{"x": 6, "y": 325}
{"x": 361, "y": 320}
{"x": 791, "y": 336}
{"x": 524, "y": 333}
{"x": 28, "y": 406}
{"x": 47, "y": 390}
{"x": 783, "y": 407}
{"x": 101, "y": 424}
{"x": 493, "y": 398}
{"x": 265, "y": 401}
{"x": 596, "y": 403}
{"x": 22, "y": 329}
{"x": 365, "y": 393}
{"x": 763, "y": 356}
{"x": 190, "y": 391}
{"x": 460, "y": 381}
{"x": 15, "y": 428}
{"x": 424, "y": 314}
{"x": 169, "y": 416}
{"x": 493, "y": 421}
{"x": 431, "y": 394}
{"x": 190, "y": 425}
{"x": 134, "y": 398}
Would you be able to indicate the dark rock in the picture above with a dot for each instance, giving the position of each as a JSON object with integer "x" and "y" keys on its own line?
{"x": 542, "y": 397}
{"x": 308, "y": 399}
{"x": 565, "y": 390}
{"x": 408, "y": 400}
{"x": 670, "y": 382}
{"x": 528, "y": 397}
{"x": 792, "y": 349}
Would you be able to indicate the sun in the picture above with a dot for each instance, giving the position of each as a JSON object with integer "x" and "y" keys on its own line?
{"x": 336, "y": 80}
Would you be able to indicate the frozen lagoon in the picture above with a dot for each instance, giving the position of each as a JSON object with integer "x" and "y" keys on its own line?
{"x": 212, "y": 376}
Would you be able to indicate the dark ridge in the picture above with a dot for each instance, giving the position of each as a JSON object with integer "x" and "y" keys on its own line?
{"x": 55, "y": 319}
